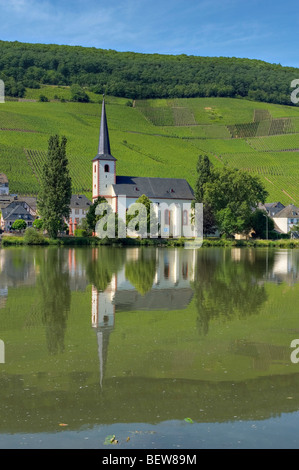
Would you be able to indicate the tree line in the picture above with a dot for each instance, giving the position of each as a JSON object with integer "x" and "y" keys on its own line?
{"x": 142, "y": 76}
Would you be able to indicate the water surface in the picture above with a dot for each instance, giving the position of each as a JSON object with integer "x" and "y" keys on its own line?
{"x": 162, "y": 347}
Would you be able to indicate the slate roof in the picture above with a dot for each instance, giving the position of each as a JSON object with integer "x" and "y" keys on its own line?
{"x": 158, "y": 188}
{"x": 288, "y": 212}
{"x": 79, "y": 201}
{"x": 31, "y": 201}
{"x": 271, "y": 208}
{"x": 155, "y": 299}
{"x": 16, "y": 211}
{"x": 104, "y": 152}
{"x": 6, "y": 201}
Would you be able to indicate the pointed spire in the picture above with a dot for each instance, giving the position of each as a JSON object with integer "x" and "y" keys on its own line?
{"x": 104, "y": 152}
{"x": 104, "y": 143}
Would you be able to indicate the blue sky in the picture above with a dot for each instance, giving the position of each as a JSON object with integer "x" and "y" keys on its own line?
{"x": 255, "y": 29}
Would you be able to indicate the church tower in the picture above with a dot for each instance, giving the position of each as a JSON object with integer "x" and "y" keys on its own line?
{"x": 104, "y": 164}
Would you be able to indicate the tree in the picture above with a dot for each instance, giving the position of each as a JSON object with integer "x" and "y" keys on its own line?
{"x": 295, "y": 228}
{"x": 56, "y": 187}
{"x": 204, "y": 170}
{"x": 147, "y": 222}
{"x": 232, "y": 195}
{"x": 43, "y": 98}
{"x": 261, "y": 223}
{"x": 78, "y": 94}
{"x": 91, "y": 217}
{"x": 19, "y": 224}
{"x": 38, "y": 224}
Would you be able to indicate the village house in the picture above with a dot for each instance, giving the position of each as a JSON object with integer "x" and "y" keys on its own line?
{"x": 79, "y": 206}
{"x": 285, "y": 219}
{"x": 29, "y": 203}
{"x": 16, "y": 210}
{"x": 171, "y": 197}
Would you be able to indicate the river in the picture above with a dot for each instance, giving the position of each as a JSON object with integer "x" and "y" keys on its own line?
{"x": 148, "y": 348}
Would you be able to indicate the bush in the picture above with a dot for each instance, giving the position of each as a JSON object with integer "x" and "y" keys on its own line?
{"x": 43, "y": 98}
{"x": 78, "y": 94}
{"x": 34, "y": 237}
{"x": 80, "y": 232}
{"x": 19, "y": 224}
{"x": 11, "y": 240}
{"x": 38, "y": 224}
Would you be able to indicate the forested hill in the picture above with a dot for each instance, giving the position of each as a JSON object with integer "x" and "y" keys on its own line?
{"x": 135, "y": 75}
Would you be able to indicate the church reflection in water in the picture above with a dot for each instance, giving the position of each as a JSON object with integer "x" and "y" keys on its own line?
{"x": 167, "y": 288}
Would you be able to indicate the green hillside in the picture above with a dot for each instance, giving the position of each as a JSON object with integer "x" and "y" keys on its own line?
{"x": 142, "y": 76}
{"x": 154, "y": 138}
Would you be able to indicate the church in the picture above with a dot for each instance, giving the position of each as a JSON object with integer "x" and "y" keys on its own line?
{"x": 171, "y": 197}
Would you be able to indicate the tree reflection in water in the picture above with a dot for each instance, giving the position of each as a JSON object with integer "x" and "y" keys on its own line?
{"x": 102, "y": 263}
{"x": 141, "y": 272}
{"x": 228, "y": 284}
{"x": 55, "y": 296}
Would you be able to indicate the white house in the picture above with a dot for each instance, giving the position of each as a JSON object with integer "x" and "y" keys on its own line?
{"x": 79, "y": 206}
{"x": 171, "y": 197}
{"x": 286, "y": 218}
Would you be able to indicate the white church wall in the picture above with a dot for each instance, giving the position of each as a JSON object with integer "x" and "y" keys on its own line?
{"x": 106, "y": 178}
{"x": 177, "y": 207}
{"x": 95, "y": 179}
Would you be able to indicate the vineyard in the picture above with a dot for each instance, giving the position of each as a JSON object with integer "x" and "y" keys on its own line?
{"x": 154, "y": 138}
{"x": 79, "y": 171}
{"x": 274, "y": 143}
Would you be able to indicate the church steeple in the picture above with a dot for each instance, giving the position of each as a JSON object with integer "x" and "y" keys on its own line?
{"x": 103, "y": 164}
{"x": 104, "y": 152}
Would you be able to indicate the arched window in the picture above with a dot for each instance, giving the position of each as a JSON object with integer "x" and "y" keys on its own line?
{"x": 106, "y": 168}
{"x": 185, "y": 217}
{"x": 166, "y": 217}
{"x": 95, "y": 168}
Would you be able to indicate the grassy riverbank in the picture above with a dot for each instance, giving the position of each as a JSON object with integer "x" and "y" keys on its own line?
{"x": 9, "y": 240}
